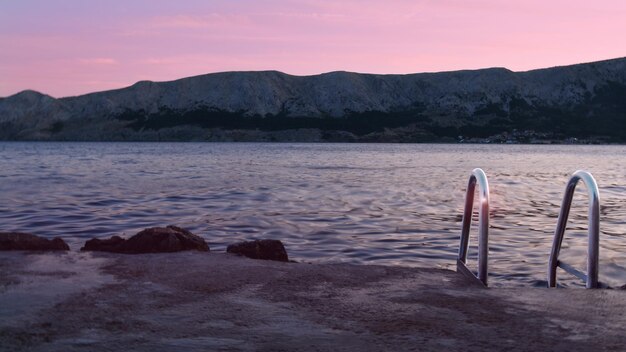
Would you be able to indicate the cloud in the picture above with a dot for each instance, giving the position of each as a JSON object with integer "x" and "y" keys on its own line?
{"x": 98, "y": 61}
{"x": 197, "y": 21}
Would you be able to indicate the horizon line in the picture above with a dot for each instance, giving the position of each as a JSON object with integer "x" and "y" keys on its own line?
{"x": 313, "y": 75}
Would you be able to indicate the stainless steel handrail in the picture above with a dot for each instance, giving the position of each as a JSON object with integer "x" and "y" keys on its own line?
{"x": 477, "y": 176}
{"x": 594, "y": 232}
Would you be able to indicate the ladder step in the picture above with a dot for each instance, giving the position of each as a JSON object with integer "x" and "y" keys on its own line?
{"x": 570, "y": 269}
{"x": 465, "y": 271}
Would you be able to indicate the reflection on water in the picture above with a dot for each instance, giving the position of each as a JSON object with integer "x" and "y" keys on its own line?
{"x": 375, "y": 204}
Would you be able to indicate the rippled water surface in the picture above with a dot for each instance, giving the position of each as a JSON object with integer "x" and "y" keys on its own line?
{"x": 386, "y": 204}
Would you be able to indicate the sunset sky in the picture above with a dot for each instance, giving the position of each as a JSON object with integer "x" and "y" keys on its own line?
{"x": 70, "y": 47}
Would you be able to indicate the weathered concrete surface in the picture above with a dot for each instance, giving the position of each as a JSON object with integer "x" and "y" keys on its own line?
{"x": 196, "y": 301}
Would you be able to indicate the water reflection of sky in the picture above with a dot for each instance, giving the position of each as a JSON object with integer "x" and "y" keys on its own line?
{"x": 376, "y": 204}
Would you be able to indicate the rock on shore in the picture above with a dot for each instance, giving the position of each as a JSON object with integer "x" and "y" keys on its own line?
{"x": 151, "y": 240}
{"x": 25, "y": 241}
{"x": 260, "y": 249}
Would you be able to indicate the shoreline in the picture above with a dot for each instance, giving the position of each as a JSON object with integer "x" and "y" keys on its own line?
{"x": 216, "y": 301}
{"x": 470, "y": 141}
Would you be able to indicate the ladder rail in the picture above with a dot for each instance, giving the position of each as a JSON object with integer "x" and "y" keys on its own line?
{"x": 593, "y": 249}
{"x": 477, "y": 177}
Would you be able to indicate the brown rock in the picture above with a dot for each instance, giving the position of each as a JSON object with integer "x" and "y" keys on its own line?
{"x": 260, "y": 249}
{"x": 107, "y": 245}
{"x": 168, "y": 239}
{"x": 16, "y": 241}
{"x": 152, "y": 240}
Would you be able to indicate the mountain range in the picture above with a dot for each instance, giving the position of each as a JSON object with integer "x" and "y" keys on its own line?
{"x": 586, "y": 101}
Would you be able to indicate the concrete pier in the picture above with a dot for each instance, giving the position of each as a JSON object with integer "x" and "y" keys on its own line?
{"x": 193, "y": 301}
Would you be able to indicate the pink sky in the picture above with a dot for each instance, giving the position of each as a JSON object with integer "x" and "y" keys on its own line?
{"x": 71, "y": 47}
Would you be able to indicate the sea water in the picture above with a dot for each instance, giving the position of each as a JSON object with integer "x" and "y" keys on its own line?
{"x": 388, "y": 204}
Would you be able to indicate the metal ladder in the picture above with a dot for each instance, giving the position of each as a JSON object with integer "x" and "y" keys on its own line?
{"x": 477, "y": 176}
{"x": 593, "y": 249}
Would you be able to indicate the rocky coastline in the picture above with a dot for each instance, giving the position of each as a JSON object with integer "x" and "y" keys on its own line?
{"x": 167, "y": 239}
{"x": 582, "y": 102}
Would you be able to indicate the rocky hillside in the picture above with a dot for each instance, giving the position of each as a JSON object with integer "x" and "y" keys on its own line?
{"x": 584, "y": 101}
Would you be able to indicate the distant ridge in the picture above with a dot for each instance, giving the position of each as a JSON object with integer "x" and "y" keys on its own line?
{"x": 577, "y": 101}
